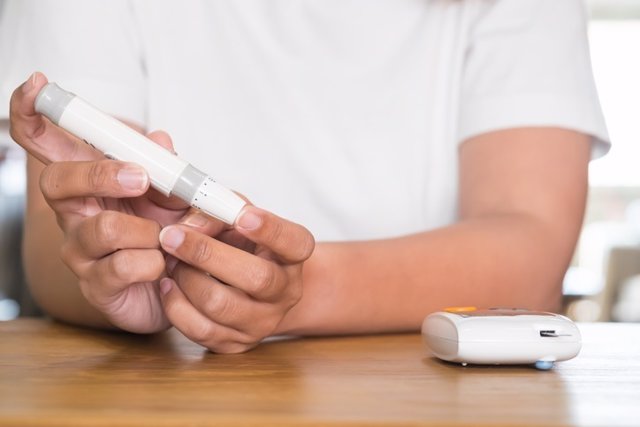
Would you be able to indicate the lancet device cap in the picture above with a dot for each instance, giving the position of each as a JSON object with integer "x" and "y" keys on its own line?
{"x": 52, "y": 101}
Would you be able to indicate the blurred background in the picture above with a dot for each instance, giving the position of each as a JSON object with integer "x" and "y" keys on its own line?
{"x": 603, "y": 283}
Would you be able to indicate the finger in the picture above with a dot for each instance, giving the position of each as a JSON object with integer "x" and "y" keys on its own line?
{"x": 215, "y": 228}
{"x": 70, "y": 212}
{"x": 110, "y": 231}
{"x": 36, "y": 134}
{"x": 203, "y": 223}
{"x": 235, "y": 239}
{"x": 259, "y": 277}
{"x": 163, "y": 139}
{"x": 195, "y": 326}
{"x": 223, "y": 304}
{"x": 167, "y": 202}
{"x": 290, "y": 241}
{"x": 112, "y": 274}
{"x": 101, "y": 178}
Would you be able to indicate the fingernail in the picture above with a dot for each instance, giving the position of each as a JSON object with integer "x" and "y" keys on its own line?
{"x": 171, "y": 237}
{"x": 249, "y": 220}
{"x": 171, "y": 263}
{"x": 195, "y": 220}
{"x": 30, "y": 83}
{"x": 165, "y": 285}
{"x": 132, "y": 178}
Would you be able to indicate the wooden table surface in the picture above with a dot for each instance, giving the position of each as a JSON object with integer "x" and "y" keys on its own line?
{"x": 52, "y": 374}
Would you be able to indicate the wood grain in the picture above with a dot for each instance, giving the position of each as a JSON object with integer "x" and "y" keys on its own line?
{"x": 55, "y": 375}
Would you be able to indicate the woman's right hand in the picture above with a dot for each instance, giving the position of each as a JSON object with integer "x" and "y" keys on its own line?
{"x": 110, "y": 217}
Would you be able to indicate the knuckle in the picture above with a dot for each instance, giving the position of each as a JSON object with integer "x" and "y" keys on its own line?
{"x": 264, "y": 329}
{"x": 156, "y": 265}
{"x": 107, "y": 227}
{"x": 276, "y": 231}
{"x": 307, "y": 247}
{"x": 49, "y": 180}
{"x": 217, "y": 302}
{"x": 150, "y": 265}
{"x": 201, "y": 332}
{"x": 263, "y": 280}
{"x": 99, "y": 175}
{"x": 121, "y": 265}
{"x": 202, "y": 252}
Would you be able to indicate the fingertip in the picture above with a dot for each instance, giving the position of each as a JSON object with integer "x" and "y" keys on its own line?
{"x": 291, "y": 241}
{"x": 250, "y": 218}
{"x": 133, "y": 177}
{"x": 25, "y": 122}
{"x": 35, "y": 81}
{"x": 23, "y": 98}
{"x": 166, "y": 284}
{"x": 171, "y": 263}
{"x": 205, "y": 224}
{"x": 171, "y": 237}
{"x": 195, "y": 220}
{"x": 163, "y": 139}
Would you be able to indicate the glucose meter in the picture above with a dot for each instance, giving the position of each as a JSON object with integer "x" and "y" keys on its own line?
{"x": 501, "y": 336}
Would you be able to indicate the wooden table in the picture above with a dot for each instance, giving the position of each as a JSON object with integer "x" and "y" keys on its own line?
{"x": 52, "y": 374}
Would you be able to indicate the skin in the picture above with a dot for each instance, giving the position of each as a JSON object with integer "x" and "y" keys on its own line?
{"x": 135, "y": 260}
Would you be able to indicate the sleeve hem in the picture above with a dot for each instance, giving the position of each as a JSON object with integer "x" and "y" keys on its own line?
{"x": 534, "y": 110}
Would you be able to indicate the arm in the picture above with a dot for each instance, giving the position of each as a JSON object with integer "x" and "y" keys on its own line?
{"x": 522, "y": 198}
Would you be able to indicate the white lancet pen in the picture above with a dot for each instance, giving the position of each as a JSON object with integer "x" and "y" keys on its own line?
{"x": 168, "y": 173}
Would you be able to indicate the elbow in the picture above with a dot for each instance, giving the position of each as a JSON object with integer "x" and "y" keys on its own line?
{"x": 532, "y": 271}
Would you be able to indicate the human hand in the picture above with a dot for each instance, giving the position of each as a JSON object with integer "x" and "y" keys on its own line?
{"x": 109, "y": 216}
{"x": 229, "y": 292}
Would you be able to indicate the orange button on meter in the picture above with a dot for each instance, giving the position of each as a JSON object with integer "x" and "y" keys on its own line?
{"x": 459, "y": 309}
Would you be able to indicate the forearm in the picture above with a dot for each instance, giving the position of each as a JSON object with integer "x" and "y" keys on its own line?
{"x": 391, "y": 285}
{"x": 53, "y": 286}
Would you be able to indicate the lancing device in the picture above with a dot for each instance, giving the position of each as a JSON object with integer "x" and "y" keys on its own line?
{"x": 168, "y": 173}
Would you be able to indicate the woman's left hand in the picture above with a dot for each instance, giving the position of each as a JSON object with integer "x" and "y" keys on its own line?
{"x": 229, "y": 292}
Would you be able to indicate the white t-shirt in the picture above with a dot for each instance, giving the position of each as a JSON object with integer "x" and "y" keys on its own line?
{"x": 343, "y": 115}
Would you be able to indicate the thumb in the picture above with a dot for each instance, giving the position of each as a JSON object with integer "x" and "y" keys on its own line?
{"x": 41, "y": 138}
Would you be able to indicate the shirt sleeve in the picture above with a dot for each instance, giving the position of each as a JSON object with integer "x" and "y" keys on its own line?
{"x": 528, "y": 65}
{"x": 88, "y": 47}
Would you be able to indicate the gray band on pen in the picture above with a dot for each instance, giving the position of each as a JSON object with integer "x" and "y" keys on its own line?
{"x": 52, "y": 101}
{"x": 188, "y": 183}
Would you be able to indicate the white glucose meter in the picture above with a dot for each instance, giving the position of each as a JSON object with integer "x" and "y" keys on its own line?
{"x": 501, "y": 336}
